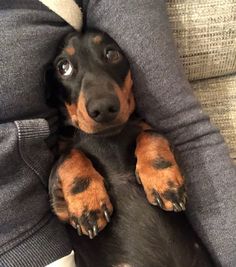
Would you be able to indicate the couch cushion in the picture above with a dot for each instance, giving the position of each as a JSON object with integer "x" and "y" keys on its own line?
{"x": 205, "y": 33}
{"x": 218, "y": 98}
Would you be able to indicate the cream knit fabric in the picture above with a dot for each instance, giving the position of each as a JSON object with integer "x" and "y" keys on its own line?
{"x": 205, "y": 33}
{"x": 68, "y": 10}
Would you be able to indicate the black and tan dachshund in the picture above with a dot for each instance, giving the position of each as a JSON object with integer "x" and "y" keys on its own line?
{"x": 115, "y": 160}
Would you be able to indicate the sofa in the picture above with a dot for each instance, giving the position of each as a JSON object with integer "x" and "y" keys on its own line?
{"x": 205, "y": 35}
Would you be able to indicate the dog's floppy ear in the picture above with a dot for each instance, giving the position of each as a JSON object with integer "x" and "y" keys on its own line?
{"x": 50, "y": 85}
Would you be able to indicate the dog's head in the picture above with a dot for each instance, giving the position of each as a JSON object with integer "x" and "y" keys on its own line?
{"x": 93, "y": 82}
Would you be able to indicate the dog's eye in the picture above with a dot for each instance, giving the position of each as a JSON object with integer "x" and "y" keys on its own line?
{"x": 113, "y": 56}
{"x": 64, "y": 68}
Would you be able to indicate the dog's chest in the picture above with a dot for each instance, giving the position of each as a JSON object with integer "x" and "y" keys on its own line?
{"x": 114, "y": 154}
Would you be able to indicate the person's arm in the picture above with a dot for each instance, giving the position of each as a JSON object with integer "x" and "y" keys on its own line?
{"x": 166, "y": 101}
{"x": 30, "y": 235}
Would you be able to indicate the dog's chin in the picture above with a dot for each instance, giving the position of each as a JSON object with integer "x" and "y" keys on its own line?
{"x": 111, "y": 131}
{"x": 106, "y": 131}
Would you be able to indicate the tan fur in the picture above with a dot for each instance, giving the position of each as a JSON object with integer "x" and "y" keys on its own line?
{"x": 72, "y": 112}
{"x": 79, "y": 116}
{"x": 86, "y": 123}
{"x": 126, "y": 98}
{"x": 144, "y": 126}
{"x": 97, "y": 39}
{"x": 70, "y": 50}
{"x": 148, "y": 149}
{"x": 78, "y": 165}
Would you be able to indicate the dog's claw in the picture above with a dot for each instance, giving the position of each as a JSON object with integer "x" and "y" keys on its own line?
{"x": 158, "y": 199}
{"x": 176, "y": 207}
{"x": 138, "y": 178}
{"x": 185, "y": 198}
{"x": 90, "y": 233}
{"x": 107, "y": 216}
{"x": 182, "y": 205}
{"x": 79, "y": 231}
{"x": 159, "y": 202}
{"x": 95, "y": 230}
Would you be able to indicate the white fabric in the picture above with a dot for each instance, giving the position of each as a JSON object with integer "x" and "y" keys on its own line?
{"x": 67, "y": 261}
{"x": 68, "y": 10}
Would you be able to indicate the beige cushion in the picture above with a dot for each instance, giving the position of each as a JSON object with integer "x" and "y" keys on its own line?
{"x": 218, "y": 98}
{"x": 205, "y": 33}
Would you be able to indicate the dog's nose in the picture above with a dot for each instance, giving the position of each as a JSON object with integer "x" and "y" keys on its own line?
{"x": 103, "y": 109}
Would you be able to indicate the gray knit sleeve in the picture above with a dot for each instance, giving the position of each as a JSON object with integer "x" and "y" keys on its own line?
{"x": 30, "y": 235}
{"x": 165, "y": 99}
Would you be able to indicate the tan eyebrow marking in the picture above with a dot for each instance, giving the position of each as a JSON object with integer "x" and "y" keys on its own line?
{"x": 97, "y": 39}
{"x": 70, "y": 50}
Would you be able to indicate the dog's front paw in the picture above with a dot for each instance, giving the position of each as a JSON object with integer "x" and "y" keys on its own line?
{"x": 158, "y": 172}
{"x": 89, "y": 205}
{"x": 163, "y": 185}
{"x": 78, "y": 194}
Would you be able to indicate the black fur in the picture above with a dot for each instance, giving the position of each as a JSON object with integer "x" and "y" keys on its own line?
{"x": 88, "y": 220}
{"x": 139, "y": 234}
{"x": 80, "y": 184}
{"x": 171, "y": 194}
{"x": 162, "y": 163}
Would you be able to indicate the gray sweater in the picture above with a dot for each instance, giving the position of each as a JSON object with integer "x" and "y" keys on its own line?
{"x": 29, "y": 234}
